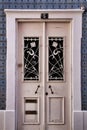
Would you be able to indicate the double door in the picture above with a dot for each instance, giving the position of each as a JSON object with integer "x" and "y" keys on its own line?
{"x": 44, "y": 76}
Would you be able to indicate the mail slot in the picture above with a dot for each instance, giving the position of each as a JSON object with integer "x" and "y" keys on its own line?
{"x": 31, "y": 110}
{"x": 31, "y": 101}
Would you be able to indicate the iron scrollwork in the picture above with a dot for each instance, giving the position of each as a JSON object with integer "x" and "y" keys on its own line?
{"x": 56, "y": 58}
{"x": 31, "y": 58}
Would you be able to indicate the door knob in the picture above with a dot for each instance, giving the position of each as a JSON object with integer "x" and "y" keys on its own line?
{"x": 51, "y": 89}
{"x": 46, "y": 93}
{"x": 37, "y": 89}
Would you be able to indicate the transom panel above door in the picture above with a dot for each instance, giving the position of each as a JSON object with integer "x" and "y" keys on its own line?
{"x": 44, "y": 73}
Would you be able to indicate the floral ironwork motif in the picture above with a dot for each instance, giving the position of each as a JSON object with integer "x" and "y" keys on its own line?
{"x": 56, "y": 58}
{"x": 31, "y": 58}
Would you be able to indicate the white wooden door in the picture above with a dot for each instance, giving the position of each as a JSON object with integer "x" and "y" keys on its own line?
{"x": 44, "y": 76}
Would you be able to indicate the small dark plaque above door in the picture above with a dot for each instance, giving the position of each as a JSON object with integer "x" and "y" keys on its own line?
{"x": 44, "y": 16}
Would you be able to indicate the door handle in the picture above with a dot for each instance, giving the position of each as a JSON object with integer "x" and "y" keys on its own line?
{"x": 46, "y": 93}
{"x": 50, "y": 87}
{"x": 37, "y": 89}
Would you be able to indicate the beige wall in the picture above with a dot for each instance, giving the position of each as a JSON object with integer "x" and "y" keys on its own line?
{"x": 80, "y": 120}
{"x": 2, "y": 120}
{"x": 7, "y": 120}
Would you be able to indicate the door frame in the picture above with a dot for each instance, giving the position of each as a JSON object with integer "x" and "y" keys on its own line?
{"x": 13, "y": 17}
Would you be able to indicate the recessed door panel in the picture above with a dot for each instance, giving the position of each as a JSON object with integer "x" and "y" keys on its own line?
{"x": 55, "y": 110}
{"x": 44, "y": 76}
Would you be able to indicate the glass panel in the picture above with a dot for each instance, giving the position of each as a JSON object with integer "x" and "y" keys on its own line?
{"x": 31, "y": 58}
{"x": 56, "y": 58}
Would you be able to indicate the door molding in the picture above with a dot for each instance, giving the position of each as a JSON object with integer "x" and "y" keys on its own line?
{"x": 74, "y": 16}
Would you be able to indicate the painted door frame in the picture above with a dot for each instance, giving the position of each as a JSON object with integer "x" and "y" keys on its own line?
{"x": 74, "y": 16}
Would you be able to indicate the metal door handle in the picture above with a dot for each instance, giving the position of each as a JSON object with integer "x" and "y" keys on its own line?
{"x": 51, "y": 89}
{"x": 46, "y": 93}
{"x": 37, "y": 89}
